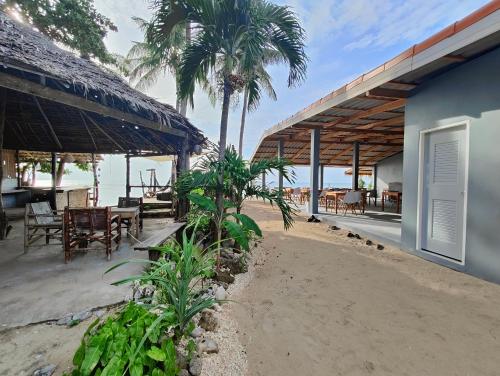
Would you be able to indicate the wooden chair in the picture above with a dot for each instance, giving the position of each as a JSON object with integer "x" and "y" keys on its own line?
{"x": 40, "y": 221}
{"x": 84, "y": 226}
{"x": 132, "y": 202}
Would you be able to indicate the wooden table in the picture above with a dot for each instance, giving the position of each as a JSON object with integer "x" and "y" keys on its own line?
{"x": 392, "y": 194}
{"x": 335, "y": 196}
{"x": 132, "y": 214}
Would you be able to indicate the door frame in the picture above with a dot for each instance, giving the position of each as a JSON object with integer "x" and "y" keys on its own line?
{"x": 420, "y": 192}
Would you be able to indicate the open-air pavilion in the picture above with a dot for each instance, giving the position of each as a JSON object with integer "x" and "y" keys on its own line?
{"x": 54, "y": 102}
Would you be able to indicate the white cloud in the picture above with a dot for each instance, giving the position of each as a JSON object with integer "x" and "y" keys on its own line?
{"x": 380, "y": 23}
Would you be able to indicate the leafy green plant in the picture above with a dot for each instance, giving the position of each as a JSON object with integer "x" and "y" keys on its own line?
{"x": 131, "y": 343}
{"x": 178, "y": 279}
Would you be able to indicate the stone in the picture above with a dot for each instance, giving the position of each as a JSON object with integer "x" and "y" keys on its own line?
{"x": 99, "y": 313}
{"x": 357, "y": 236}
{"x": 216, "y": 307}
{"x": 208, "y": 346}
{"x": 197, "y": 332}
{"x": 224, "y": 276}
{"x": 369, "y": 242}
{"x": 184, "y": 372}
{"x": 180, "y": 359}
{"x": 208, "y": 321}
{"x": 65, "y": 320}
{"x": 380, "y": 247}
{"x": 47, "y": 370}
{"x": 220, "y": 293}
{"x": 81, "y": 316}
{"x": 195, "y": 366}
{"x": 350, "y": 235}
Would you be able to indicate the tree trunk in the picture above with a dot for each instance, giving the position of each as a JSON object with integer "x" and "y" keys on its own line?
{"x": 33, "y": 174}
{"x": 60, "y": 172}
{"x": 3, "y": 216}
{"x": 184, "y": 101}
{"x": 219, "y": 197}
{"x": 243, "y": 118}
{"x": 96, "y": 180}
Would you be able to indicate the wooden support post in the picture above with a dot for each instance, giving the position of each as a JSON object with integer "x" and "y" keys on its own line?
{"x": 355, "y": 166}
{"x": 53, "y": 168}
{"x": 127, "y": 179}
{"x": 4, "y": 224}
{"x": 183, "y": 165}
{"x": 375, "y": 178}
{"x": 18, "y": 171}
{"x": 281, "y": 153}
{"x": 96, "y": 181}
{"x": 263, "y": 180}
{"x": 313, "y": 196}
{"x": 321, "y": 176}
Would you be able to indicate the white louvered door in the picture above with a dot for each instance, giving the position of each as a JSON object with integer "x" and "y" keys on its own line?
{"x": 445, "y": 192}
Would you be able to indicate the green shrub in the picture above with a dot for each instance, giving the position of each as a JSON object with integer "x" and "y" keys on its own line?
{"x": 132, "y": 343}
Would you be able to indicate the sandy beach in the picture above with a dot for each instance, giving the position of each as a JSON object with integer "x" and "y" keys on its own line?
{"x": 323, "y": 304}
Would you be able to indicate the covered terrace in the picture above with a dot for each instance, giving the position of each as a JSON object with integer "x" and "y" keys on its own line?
{"x": 55, "y": 102}
{"x": 362, "y": 124}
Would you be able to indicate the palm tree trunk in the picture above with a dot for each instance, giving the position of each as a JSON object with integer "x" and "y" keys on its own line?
{"x": 183, "y": 102}
{"x": 219, "y": 198}
{"x": 33, "y": 174}
{"x": 243, "y": 118}
{"x": 60, "y": 172}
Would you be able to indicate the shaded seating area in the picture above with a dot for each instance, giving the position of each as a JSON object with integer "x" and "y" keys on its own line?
{"x": 58, "y": 104}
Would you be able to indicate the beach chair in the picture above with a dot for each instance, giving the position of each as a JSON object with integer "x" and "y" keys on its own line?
{"x": 40, "y": 221}
{"x": 85, "y": 226}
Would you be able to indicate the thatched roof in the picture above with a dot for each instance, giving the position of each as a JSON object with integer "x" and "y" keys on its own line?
{"x": 30, "y": 63}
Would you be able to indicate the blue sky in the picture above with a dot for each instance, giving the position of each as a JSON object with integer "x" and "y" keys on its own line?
{"x": 345, "y": 39}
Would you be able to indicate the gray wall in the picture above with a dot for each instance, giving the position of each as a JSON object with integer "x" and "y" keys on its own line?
{"x": 389, "y": 170}
{"x": 471, "y": 91}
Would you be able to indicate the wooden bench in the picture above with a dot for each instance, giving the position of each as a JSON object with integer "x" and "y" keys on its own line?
{"x": 158, "y": 239}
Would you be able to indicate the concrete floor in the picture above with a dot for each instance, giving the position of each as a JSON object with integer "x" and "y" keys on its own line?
{"x": 378, "y": 225}
{"x": 39, "y": 286}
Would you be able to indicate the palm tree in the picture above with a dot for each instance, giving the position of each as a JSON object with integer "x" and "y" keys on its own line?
{"x": 146, "y": 61}
{"x": 230, "y": 37}
{"x": 256, "y": 80}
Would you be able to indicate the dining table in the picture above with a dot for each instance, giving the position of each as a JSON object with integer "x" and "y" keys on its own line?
{"x": 336, "y": 196}
{"x": 395, "y": 195}
{"x": 132, "y": 214}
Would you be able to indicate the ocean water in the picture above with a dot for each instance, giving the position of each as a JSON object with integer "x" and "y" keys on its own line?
{"x": 112, "y": 177}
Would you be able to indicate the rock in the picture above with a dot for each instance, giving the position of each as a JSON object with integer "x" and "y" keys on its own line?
{"x": 197, "y": 332}
{"x": 81, "y": 316}
{"x": 208, "y": 321}
{"x": 47, "y": 370}
{"x": 369, "y": 242}
{"x": 350, "y": 235}
{"x": 65, "y": 320}
{"x": 184, "y": 372}
{"x": 216, "y": 307}
{"x": 224, "y": 276}
{"x": 334, "y": 228}
{"x": 208, "y": 345}
{"x": 357, "y": 236}
{"x": 220, "y": 293}
{"x": 180, "y": 359}
{"x": 142, "y": 291}
{"x": 236, "y": 263}
{"x": 380, "y": 247}
{"x": 195, "y": 366}
{"x": 99, "y": 313}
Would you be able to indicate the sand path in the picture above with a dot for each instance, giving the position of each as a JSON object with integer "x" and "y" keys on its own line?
{"x": 323, "y": 304}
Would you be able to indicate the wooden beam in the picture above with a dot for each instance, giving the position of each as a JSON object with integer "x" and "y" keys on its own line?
{"x": 381, "y": 155}
{"x": 24, "y": 86}
{"x": 47, "y": 121}
{"x": 455, "y": 58}
{"x": 387, "y": 93}
{"x": 340, "y": 154}
{"x": 403, "y": 85}
{"x": 94, "y": 123}
{"x": 301, "y": 150}
{"x": 341, "y": 142}
{"x": 88, "y": 130}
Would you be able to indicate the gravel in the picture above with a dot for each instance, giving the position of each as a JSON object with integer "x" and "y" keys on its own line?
{"x": 231, "y": 359}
